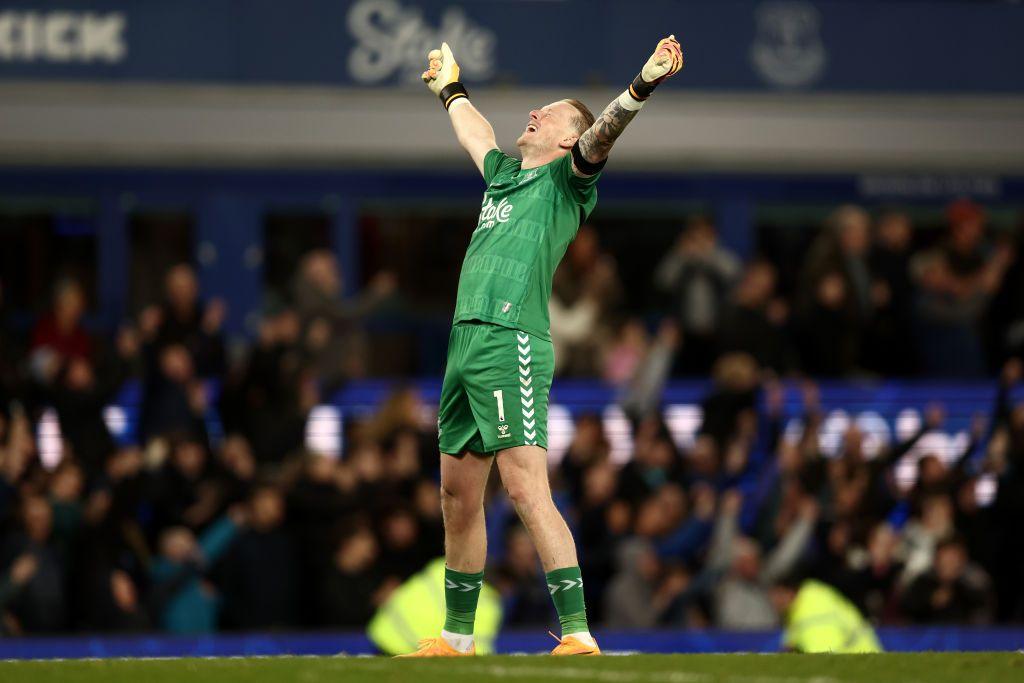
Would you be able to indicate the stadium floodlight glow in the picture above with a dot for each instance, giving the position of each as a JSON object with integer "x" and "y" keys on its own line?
{"x": 324, "y": 431}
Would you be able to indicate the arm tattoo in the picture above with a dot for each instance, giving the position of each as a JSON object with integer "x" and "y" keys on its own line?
{"x": 599, "y": 138}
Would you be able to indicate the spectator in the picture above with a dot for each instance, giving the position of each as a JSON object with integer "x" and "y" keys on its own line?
{"x": 836, "y": 300}
{"x": 403, "y": 551}
{"x": 859, "y": 484}
{"x": 404, "y": 420}
{"x": 184, "y": 489}
{"x": 585, "y": 294}
{"x": 108, "y": 597}
{"x": 353, "y": 588}
{"x": 173, "y": 397}
{"x": 889, "y": 347}
{"x": 734, "y": 394}
{"x": 183, "y": 320}
{"x": 925, "y": 533}
{"x": 641, "y": 593}
{"x": 841, "y": 249}
{"x": 59, "y": 335}
{"x": 951, "y": 592}
{"x": 258, "y": 572}
{"x": 1005, "y": 460}
{"x": 1005, "y": 319}
{"x": 520, "y": 580}
{"x": 755, "y": 320}
{"x": 268, "y": 398}
{"x": 80, "y": 395}
{"x": 604, "y": 522}
{"x": 33, "y": 592}
{"x": 20, "y": 572}
{"x": 869, "y": 576}
{"x": 741, "y": 598}
{"x": 182, "y": 599}
{"x": 17, "y": 459}
{"x": 625, "y": 353}
{"x": 655, "y": 463}
{"x": 828, "y": 334}
{"x": 332, "y": 333}
{"x": 698, "y": 275}
{"x": 956, "y": 280}
{"x": 647, "y": 377}
{"x": 589, "y": 447}
{"x": 126, "y": 613}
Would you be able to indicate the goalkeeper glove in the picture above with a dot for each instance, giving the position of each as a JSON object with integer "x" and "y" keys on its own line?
{"x": 442, "y": 77}
{"x": 666, "y": 61}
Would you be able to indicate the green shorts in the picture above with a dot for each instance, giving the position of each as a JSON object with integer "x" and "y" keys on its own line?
{"x": 495, "y": 390}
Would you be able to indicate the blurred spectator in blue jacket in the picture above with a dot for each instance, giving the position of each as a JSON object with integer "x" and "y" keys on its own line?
{"x": 181, "y": 597}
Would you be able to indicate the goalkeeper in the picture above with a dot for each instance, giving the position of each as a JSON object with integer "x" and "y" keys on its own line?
{"x": 494, "y": 399}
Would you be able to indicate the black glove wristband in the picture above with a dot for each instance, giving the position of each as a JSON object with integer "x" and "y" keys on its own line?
{"x": 640, "y": 89}
{"x": 581, "y": 163}
{"x": 451, "y": 92}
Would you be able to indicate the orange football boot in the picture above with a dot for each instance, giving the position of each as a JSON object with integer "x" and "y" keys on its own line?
{"x": 438, "y": 647}
{"x": 571, "y": 645}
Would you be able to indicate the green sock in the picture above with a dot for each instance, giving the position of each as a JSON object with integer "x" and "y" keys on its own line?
{"x": 566, "y": 588}
{"x": 461, "y": 592}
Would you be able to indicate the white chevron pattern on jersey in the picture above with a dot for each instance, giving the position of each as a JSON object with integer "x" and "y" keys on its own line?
{"x": 567, "y": 584}
{"x": 526, "y": 389}
{"x": 462, "y": 587}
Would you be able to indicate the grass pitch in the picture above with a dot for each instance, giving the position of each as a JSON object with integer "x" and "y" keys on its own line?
{"x": 887, "y": 668}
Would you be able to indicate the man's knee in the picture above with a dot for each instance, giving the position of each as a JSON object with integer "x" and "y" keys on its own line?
{"x": 459, "y": 504}
{"x": 523, "y": 491}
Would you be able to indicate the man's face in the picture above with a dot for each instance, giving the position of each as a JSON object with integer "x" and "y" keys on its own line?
{"x": 550, "y": 128}
{"x": 950, "y": 562}
{"x": 38, "y": 519}
{"x": 182, "y": 287}
{"x": 267, "y": 510}
{"x": 746, "y": 562}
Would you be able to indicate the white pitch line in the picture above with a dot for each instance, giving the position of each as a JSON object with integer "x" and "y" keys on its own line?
{"x": 607, "y": 676}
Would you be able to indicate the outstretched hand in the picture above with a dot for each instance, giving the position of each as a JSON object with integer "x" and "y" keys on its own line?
{"x": 442, "y": 69}
{"x": 666, "y": 61}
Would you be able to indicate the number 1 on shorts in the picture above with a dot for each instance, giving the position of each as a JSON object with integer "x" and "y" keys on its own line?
{"x": 500, "y": 395}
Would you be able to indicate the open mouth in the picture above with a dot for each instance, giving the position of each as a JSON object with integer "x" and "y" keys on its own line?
{"x": 531, "y": 128}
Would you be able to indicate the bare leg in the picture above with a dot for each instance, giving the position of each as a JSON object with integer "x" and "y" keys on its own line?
{"x": 463, "y": 481}
{"x": 524, "y": 473}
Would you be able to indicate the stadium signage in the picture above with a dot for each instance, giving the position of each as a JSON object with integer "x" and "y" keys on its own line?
{"x": 391, "y": 40}
{"x": 62, "y": 36}
{"x": 788, "y": 51}
{"x": 744, "y": 45}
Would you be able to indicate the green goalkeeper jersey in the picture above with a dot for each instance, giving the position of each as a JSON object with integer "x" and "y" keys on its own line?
{"x": 527, "y": 221}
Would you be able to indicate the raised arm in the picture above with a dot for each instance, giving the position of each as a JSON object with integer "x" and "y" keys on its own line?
{"x": 471, "y": 128}
{"x": 473, "y": 131}
{"x": 597, "y": 141}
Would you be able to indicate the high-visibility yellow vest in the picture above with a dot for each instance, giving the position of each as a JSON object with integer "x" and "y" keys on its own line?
{"x": 416, "y": 611}
{"x": 822, "y": 620}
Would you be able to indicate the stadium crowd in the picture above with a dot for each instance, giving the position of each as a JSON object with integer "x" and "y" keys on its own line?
{"x": 866, "y": 297}
{"x": 186, "y": 531}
